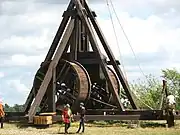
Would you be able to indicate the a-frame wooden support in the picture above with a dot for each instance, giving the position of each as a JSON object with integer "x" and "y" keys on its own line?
{"x": 83, "y": 14}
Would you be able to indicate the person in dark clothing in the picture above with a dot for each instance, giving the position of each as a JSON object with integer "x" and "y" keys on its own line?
{"x": 1, "y": 121}
{"x": 82, "y": 115}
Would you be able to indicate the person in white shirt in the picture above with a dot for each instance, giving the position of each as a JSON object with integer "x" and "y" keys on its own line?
{"x": 171, "y": 102}
{"x": 170, "y": 109}
{"x": 125, "y": 102}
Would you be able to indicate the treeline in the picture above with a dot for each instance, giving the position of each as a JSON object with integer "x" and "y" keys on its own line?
{"x": 15, "y": 108}
{"x": 148, "y": 92}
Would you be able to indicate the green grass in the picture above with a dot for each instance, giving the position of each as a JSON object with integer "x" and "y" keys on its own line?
{"x": 97, "y": 128}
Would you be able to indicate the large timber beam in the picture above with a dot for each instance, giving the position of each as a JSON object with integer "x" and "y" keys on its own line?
{"x": 162, "y": 94}
{"x": 49, "y": 73}
{"x": 111, "y": 57}
{"x": 95, "y": 47}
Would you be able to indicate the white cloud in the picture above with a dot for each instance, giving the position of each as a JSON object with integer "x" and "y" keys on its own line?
{"x": 149, "y": 36}
{"x": 17, "y": 85}
{"x": 2, "y": 74}
{"x": 145, "y": 35}
{"x": 29, "y": 37}
{"x": 23, "y": 60}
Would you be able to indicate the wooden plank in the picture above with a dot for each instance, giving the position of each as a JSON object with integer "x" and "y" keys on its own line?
{"x": 64, "y": 73}
{"x": 54, "y": 90}
{"x": 47, "y": 114}
{"x": 74, "y": 42}
{"x": 84, "y": 31}
{"x": 48, "y": 75}
{"x": 79, "y": 36}
{"x": 95, "y": 47}
{"x": 103, "y": 102}
{"x": 114, "y": 117}
{"x": 59, "y": 75}
{"x": 89, "y": 61}
{"x": 87, "y": 41}
{"x": 112, "y": 58}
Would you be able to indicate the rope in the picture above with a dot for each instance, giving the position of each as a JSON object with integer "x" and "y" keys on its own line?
{"x": 129, "y": 45}
{"x": 140, "y": 101}
{"x": 116, "y": 37}
{"x": 128, "y": 41}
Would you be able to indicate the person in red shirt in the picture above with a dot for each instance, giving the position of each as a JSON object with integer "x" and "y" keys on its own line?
{"x": 66, "y": 117}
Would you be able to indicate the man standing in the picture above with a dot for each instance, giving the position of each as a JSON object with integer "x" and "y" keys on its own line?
{"x": 171, "y": 103}
{"x": 170, "y": 109}
{"x": 82, "y": 114}
{"x": 66, "y": 116}
{"x": 2, "y": 114}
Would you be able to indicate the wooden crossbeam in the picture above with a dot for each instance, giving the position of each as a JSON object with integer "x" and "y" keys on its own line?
{"x": 49, "y": 73}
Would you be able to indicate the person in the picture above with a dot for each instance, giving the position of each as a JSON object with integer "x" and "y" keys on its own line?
{"x": 125, "y": 102}
{"x": 82, "y": 115}
{"x": 2, "y": 114}
{"x": 170, "y": 101}
{"x": 67, "y": 116}
{"x": 170, "y": 109}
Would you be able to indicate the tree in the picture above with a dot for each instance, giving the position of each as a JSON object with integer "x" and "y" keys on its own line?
{"x": 18, "y": 108}
{"x": 148, "y": 93}
{"x": 15, "y": 108}
{"x": 8, "y": 108}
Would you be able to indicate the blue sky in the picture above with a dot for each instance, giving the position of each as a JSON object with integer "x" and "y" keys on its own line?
{"x": 27, "y": 28}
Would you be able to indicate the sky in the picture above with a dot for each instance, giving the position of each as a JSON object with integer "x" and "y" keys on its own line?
{"x": 27, "y": 28}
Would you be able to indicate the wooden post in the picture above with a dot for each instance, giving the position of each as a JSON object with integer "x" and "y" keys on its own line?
{"x": 170, "y": 118}
{"x": 162, "y": 95}
{"x": 73, "y": 44}
{"x": 54, "y": 89}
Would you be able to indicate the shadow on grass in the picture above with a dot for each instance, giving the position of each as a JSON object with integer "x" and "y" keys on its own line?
{"x": 127, "y": 124}
{"x": 106, "y": 123}
{"x": 152, "y": 125}
{"x": 27, "y": 125}
{"x": 68, "y": 133}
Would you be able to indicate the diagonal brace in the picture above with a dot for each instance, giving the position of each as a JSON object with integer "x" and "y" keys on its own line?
{"x": 49, "y": 73}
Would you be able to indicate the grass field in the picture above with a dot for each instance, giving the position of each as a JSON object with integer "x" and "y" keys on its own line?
{"x": 12, "y": 129}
